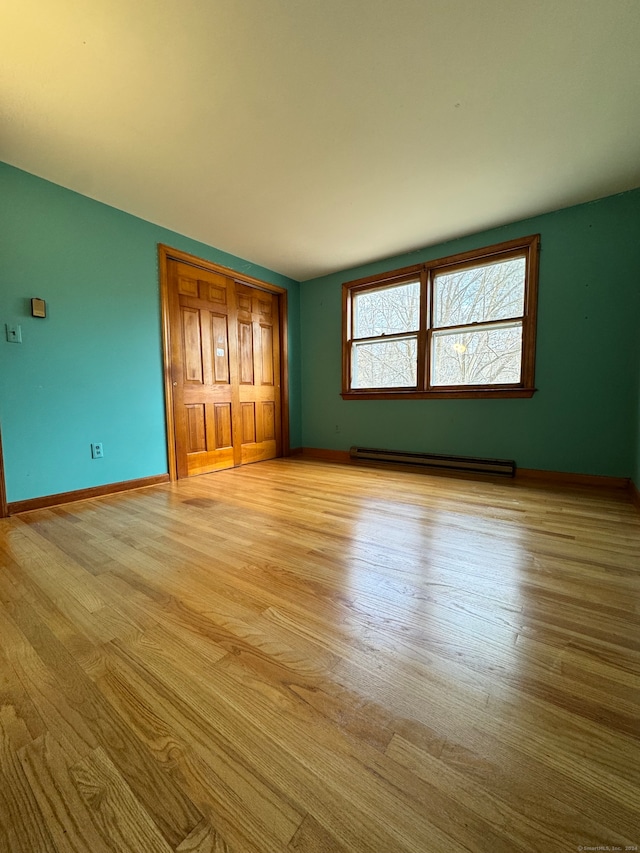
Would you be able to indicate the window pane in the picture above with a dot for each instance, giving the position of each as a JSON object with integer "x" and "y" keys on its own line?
{"x": 385, "y": 364}
{"x": 388, "y": 311}
{"x": 489, "y": 356}
{"x": 479, "y": 294}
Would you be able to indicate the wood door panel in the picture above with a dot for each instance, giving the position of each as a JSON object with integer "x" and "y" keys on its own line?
{"x": 268, "y": 421}
{"x": 214, "y": 289}
{"x": 259, "y": 452}
{"x": 248, "y": 422}
{"x": 213, "y": 293}
{"x": 196, "y": 428}
{"x": 244, "y": 302}
{"x": 192, "y": 345}
{"x": 222, "y": 429}
{"x": 266, "y": 355}
{"x": 262, "y": 303}
{"x": 245, "y": 353}
{"x": 205, "y": 463}
{"x": 187, "y": 286}
{"x": 220, "y": 346}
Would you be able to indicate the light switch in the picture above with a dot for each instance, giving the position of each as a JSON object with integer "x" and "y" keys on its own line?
{"x": 14, "y": 334}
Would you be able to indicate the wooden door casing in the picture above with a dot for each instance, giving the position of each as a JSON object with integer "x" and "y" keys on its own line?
{"x": 222, "y": 339}
{"x": 4, "y": 509}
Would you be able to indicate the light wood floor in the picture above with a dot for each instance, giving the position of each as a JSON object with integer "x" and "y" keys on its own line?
{"x": 297, "y": 656}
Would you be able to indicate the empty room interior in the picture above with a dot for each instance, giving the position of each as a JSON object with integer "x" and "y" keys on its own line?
{"x": 319, "y": 426}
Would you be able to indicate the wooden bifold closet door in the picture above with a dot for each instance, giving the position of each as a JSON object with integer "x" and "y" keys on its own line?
{"x": 225, "y": 370}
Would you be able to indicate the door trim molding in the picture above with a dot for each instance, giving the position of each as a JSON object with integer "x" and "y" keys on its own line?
{"x": 4, "y": 509}
{"x": 166, "y": 254}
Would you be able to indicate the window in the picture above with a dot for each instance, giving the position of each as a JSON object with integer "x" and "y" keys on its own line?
{"x": 462, "y": 326}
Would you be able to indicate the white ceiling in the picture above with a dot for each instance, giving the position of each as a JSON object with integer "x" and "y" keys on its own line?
{"x": 312, "y": 135}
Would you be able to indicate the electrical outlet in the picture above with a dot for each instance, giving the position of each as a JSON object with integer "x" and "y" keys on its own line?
{"x": 96, "y": 450}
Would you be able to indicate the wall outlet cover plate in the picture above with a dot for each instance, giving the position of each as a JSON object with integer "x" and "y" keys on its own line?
{"x": 14, "y": 334}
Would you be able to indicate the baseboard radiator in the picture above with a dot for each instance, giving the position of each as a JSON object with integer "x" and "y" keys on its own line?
{"x": 501, "y": 467}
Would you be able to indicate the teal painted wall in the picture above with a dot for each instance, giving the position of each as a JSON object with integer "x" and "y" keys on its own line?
{"x": 92, "y": 370}
{"x": 584, "y": 417}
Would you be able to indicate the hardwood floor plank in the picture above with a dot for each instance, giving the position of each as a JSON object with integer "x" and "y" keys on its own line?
{"x": 14, "y": 698}
{"x": 63, "y": 572}
{"x": 72, "y": 536}
{"x": 312, "y": 837}
{"x": 387, "y": 798}
{"x": 230, "y": 627}
{"x": 525, "y": 781}
{"x": 170, "y": 808}
{"x": 122, "y": 822}
{"x": 23, "y": 826}
{"x": 567, "y": 747}
{"x": 526, "y": 827}
{"x": 303, "y": 727}
{"x": 65, "y": 629}
{"x": 66, "y": 816}
{"x": 301, "y": 656}
{"x": 204, "y": 839}
{"x": 244, "y": 834}
{"x": 213, "y": 726}
{"x": 240, "y": 791}
{"x": 38, "y": 682}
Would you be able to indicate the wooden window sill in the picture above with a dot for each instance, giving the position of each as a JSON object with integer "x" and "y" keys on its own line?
{"x": 446, "y": 394}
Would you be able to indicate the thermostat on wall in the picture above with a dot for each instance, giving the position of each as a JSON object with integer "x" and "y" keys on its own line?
{"x": 38, "y": 308}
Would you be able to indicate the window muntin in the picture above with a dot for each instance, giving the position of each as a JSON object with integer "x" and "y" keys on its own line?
{"x": 459, "y": 326}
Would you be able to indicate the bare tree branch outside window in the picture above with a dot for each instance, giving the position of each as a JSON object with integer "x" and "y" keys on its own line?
{"x": 386, "y": 311}
{"x": 489, "y": 293}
